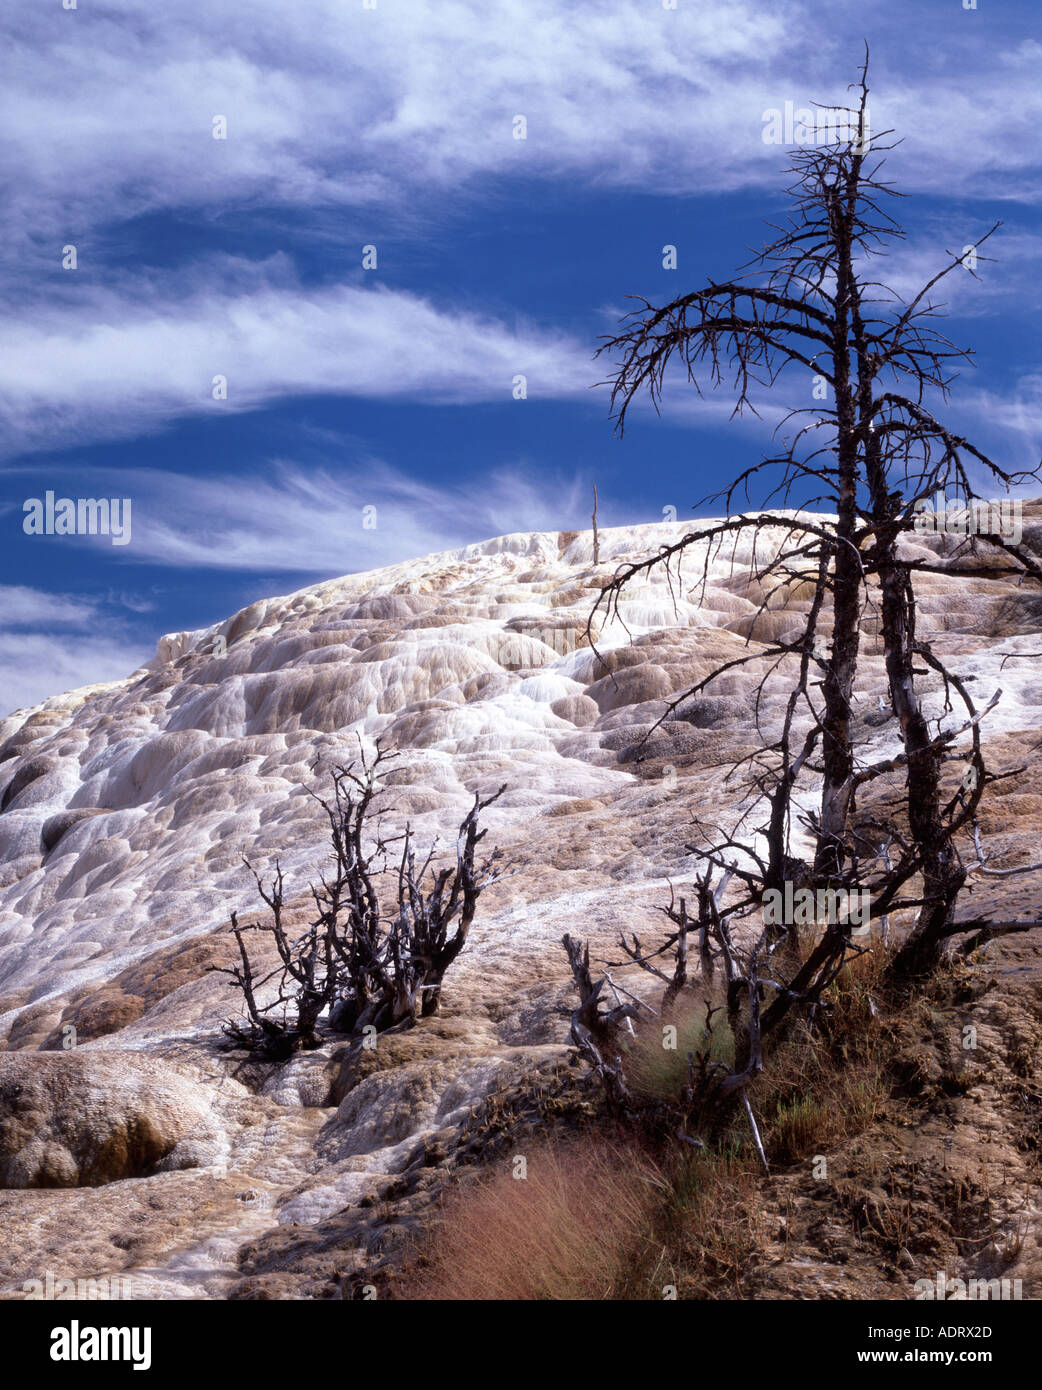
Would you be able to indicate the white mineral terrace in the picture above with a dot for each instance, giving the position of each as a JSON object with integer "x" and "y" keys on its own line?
{"x": 127, "y": 808}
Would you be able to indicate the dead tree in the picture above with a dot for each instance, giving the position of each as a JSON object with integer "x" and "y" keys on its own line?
{"x": 368, "y": 958}
{"x": 595, "y": 1032}
{"x": 873, "y": 458}
{"x": 711, "y": 1085}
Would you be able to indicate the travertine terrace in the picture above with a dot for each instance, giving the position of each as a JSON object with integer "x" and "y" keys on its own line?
{"x": 127, "y": 808}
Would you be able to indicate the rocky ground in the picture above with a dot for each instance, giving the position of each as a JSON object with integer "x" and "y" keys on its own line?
{"x": 132, "y": 1143}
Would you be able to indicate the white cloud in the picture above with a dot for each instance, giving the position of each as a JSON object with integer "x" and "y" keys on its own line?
{"x": 1005, "y": 272}
{"x": 34, "y": 665}
{"x": 124, "y": 360}
{"x": 22, "y": 606}
{"x": 50, "y": 643}
{"x": 399, "y": 114}
{"x": 311, "y": 522}
{"x": 1006, "y": 426}
{"x": 332, "y": 104}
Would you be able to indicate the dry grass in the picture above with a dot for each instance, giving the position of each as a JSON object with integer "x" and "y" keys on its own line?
{"x": 658, "y": 1071}
{"x": 603, "y": 1219}
{"x": 576, "y": 1226}
{"x": 711, "y": 1228}
{"x": 592, "y": 1221}
{"x": 821, "y": 1085}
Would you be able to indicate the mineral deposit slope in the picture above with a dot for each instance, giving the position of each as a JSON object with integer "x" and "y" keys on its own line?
{"x": 126, "y": 811}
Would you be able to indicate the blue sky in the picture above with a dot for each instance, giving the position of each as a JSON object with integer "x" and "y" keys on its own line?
{"x": 393, "y": 387}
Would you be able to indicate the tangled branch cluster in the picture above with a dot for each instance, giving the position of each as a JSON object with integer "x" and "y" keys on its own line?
{"x": 362, "y": 963}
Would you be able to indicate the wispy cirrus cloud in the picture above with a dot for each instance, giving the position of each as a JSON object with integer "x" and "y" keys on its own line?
{"x": 1004, "y": 266}
{"x": 399, "y": 113}
{"x": 52, "y": 641}
{"x": 121, "y": 361}
{"x": 338, "y": 105}
{"x": 108, "y": 361}
{"x": 1007, "y": 425}
{"x": 325, "y": 521}
{"x": 359, "y": 106}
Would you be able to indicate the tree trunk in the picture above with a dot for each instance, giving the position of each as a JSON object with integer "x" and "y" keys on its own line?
{"x": 839, "y": 679}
